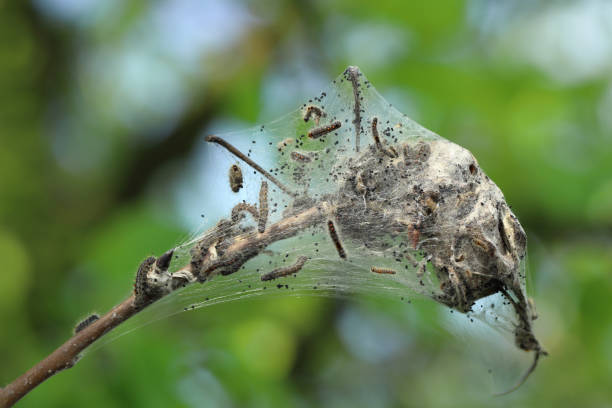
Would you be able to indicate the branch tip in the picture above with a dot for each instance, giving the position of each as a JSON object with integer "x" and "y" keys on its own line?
{"x": 163, "y": 263}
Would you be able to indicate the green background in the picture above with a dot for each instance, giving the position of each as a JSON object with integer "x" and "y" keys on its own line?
{"x": 103, "y": 106}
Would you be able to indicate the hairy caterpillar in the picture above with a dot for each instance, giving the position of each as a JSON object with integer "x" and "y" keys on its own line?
{"x": 235, "y": 178}
{"x": 314, "y": 111}
{"x": 299, "y": 157}
{"x": 334, "y": 236}
{"x": 323, "y": 130}
{"x": 288, "y": 270}
{"x": 86, "y": 322}
{"x": 263, "y": 207}
{"x": 382, "y": 271}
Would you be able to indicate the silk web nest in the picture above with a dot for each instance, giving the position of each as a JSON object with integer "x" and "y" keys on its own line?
{"x": 346, "y": 194}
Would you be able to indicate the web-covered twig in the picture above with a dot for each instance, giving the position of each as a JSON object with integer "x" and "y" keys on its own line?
{"x": 153, "y": 283}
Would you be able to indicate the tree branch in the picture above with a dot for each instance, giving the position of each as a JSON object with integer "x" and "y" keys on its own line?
{"x": 243, "y": 247}
{"x": 67, "y": 354}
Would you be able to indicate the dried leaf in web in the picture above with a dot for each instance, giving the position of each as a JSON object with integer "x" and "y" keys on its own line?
{"x": 348, "y": 195}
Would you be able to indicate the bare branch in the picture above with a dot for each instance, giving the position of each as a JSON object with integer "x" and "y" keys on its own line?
{"x": 67, "y": 354}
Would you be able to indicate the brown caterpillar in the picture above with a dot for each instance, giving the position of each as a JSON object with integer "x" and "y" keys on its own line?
{"x": 235, "y": 178}
{"x": 240, "y": 207}
{"x": 391, "y": 152}
{"x": 382, "y": 271}
{"x": 220, "y": 265}
{"x": 323, "y": 130}
{"x": 141, "y": 295}
{"x": 85, "y": 322}
{"x": 312, "y": 110}
{"x": 263, "y": 207}
{"x": 299, "y": 157}
{"x": 334, "y": 236}
{"x": 375, "y": 133}
{"x": 288, "y": 270}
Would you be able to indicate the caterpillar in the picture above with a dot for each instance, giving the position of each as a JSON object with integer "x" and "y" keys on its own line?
{"x": 263, "y": 207}
{"x": 375, "y": 133}
{"x": 235, "y": 178}
{"x": 323, "y": 130}
{"x": 334, "y": 236}
{"x": 288, "y": 270}
{"x": 141, "y": 285}
{"x": 391, "y": 152}
{"x": 240, "y": 207}
{"x": 299, "y": 157}
{"x": 382, "y": 271}
{"x": 86, "y": 322}
{"x": 312, "y": 110}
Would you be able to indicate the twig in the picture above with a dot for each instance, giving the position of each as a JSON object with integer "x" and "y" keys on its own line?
{"x": 239, "y": 154}
{"x": 67, "y": 355}
{"x": 244, "y": 246}
{"x": 353, "y": 76}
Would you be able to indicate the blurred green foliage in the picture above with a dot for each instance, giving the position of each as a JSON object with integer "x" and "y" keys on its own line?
{"x": 102, "y": 110}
